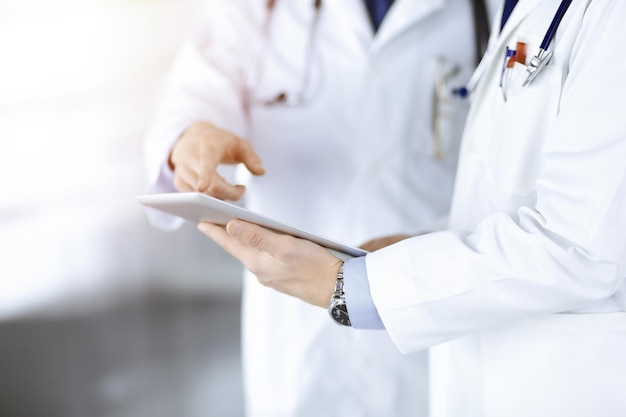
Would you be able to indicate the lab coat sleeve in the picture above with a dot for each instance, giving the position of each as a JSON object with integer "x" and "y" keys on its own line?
{"x": 564, "y": 254}
{"x": 361, "y": 308}
{"x": 206, "y": 83}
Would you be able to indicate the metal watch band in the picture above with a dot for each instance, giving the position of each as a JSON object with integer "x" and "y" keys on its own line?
{"x": 338, "y": 309}
{"x": 339, "y": 283}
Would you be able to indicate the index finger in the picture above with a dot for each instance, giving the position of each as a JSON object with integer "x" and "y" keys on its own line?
{"x": 244, "y": 152}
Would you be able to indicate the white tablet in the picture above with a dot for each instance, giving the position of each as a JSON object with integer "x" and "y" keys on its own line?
{"x": 196, "y": 207}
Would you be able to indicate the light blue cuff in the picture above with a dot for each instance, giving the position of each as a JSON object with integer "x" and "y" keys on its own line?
{"x": 361, "y": 308}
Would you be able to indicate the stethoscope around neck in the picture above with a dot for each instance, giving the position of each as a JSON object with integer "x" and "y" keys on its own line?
{"x": 536, "y": 64}
{"x": 284, "y": 97}
{"x": 297, "y": 96}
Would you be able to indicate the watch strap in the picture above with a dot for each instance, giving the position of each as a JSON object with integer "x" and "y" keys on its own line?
{"x": 338, "y": 309}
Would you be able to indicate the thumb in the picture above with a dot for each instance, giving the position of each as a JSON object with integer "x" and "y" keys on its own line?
{"x": 254, "y": 235}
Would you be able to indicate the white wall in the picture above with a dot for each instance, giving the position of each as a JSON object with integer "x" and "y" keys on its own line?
{"x": 79, "y": 82}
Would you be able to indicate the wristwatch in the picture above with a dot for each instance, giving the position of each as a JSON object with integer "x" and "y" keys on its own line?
{"x": 337, "y": 308}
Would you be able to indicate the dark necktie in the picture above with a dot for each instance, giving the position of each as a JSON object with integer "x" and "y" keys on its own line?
{"x": 377, "y": 10}
{"x": 509, "y": 5}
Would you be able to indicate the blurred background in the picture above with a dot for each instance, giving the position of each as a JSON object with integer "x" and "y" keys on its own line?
{"x": 101, "y": 315}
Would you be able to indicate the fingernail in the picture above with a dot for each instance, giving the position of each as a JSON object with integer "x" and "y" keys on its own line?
{"x": 201, "y": 227}
{"x": 233, "y": 228}
{"x": 258, "y": 166}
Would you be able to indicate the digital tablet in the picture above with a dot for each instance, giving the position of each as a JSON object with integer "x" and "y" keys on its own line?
{"x": 196, "y": 207}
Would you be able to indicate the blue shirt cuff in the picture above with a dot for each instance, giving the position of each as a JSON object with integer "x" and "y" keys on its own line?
{"x": 361, "y": 308}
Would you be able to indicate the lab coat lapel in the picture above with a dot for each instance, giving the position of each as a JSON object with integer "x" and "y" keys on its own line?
{"x": 401, "y": 15}
{"x": 499, "y": 40}
{"x": 350, "y": 20}
{"x": 519, "y": 13}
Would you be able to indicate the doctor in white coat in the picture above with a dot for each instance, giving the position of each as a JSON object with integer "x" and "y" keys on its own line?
{"x": 356, "y": 135}
{"x": 523, "y": 297}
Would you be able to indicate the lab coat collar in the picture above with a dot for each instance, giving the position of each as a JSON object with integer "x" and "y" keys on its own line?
{"x": 499, "y": 40}
{"x": 350, "y": 19}
{"x": 401, "y": 15}
{"x": 520, "y": 11}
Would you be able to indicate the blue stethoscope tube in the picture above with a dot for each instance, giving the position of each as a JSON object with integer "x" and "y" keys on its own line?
{"x": 537, "y": 63}
{"x": 541, "y": 59}
{"x": 556, "y": 21}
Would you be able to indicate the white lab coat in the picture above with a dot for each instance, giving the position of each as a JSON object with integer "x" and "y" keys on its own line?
{"x": 524, "y": 295}
{"x": 356, "y": 161}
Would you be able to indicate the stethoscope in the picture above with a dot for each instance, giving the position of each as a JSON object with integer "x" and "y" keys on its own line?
{"x": 536, "y": 64}
{"x": 539, "y": 61}
{"x": 298, "y": 96}
{"x": 284, "y": 97}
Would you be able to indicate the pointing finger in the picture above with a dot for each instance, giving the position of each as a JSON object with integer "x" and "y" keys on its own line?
{"x": 249, "y": 157}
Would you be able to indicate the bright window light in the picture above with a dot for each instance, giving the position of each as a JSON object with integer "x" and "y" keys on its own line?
{"x": 78, "y": 82}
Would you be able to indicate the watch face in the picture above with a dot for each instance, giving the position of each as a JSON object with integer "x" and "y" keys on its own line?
{"x": 340, "y": 314}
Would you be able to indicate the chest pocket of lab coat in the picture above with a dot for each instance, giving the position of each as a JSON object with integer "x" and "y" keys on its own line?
{"x": 520, "y": 127}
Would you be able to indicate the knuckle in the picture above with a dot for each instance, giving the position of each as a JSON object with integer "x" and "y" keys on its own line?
{"x": 246, "y": 146}
{"x": 215, "y": 187}
{"x": 254, "y": 238}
